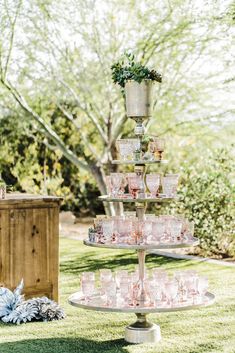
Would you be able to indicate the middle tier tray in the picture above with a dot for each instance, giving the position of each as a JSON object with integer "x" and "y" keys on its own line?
{"x": 145, "y": 199}
{"x": 192, "y": 242}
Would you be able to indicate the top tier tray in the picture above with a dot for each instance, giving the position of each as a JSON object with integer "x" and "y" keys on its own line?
{"x": 139, "y": 162}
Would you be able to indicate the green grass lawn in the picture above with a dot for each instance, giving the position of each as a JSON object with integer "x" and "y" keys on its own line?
{"x": 209, "y": 329}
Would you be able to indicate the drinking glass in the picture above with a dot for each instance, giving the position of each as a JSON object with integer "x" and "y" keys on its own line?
{"x": 116, "y": 180}
{"x": 160, "y": 146}
{"x": 153, "y": 182}
{"x": 169, "y": 184}
{"x": 125, "y": 289}
{"x": 171, "y": 291}
{"x": 87, "y": 288}
{"x": 108, "y": 184}
{"x": 111, "y": 293}
{"x": 124, "y": 148}
{"x": 175, "y": 227}
{"x": 105, "y": 275}
{"x": 119, "y": 275}
{"x": 158, "y": 229}
{"x": 107, "y": 230}
{"x": 124, "y": 230}
{"x": 135, "y": 184}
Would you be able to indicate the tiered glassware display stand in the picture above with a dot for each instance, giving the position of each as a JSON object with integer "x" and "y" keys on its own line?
{"x": 142, "y": 330}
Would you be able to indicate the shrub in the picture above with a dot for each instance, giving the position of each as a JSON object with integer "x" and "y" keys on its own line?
{"x": 207, "y": 198}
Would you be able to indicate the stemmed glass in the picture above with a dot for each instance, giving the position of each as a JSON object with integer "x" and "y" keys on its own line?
{"x": 175, "y": 227}
{"x": 135, "y": 184}
{"x": 124, "y": 148}
{"x": 124, "y": 230}
{"x": 108, "y": 184}
{"x": 153, "y": 182}
{"x": 171, "y": 291}
{"x": 87, "y": 285}
{"x": 158, "y": 229}
{"x": 160, "y": 146}
{"x": 202, "y": 286}
{"x": 107, "y": 230}
{"x": 116, "y": 181}
{"x": 169, "y": 184}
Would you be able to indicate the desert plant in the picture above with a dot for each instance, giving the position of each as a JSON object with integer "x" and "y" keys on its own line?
{"x": 129, "y": 69}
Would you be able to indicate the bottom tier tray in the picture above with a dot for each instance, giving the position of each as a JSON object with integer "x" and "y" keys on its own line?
{"x": 142, "y": 330}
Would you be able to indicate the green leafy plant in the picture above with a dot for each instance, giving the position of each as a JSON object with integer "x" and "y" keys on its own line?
{"x": 128, "y": 69}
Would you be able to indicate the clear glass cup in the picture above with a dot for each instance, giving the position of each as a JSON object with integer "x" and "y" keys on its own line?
{"x": 108, "y": 184}
{"x": 175, "y": 227}
{"x": 153, "y": 182}
{"x": 119, "y": 274}
{"x": 111, "y": 293}
{"x": 124, "y": 230}
{"x": 169, "y": 184}
{"x": 87, "y": 288}
{"x": 117, "y": 183}
{"x": 125, "y": 148}
{"x": 171, "y": 291}
{"x": 158, "y": 229}
{"x": 107, "y": 230}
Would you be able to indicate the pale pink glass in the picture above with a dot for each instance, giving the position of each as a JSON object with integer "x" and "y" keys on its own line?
{"x": 171, "y": 291}
{"x": 108, "y": 183}
{"x": 125, "y": 148}
{"x": 135, "y": 184}
{"x": 124, "y": 230}
{"x": 169, "y": 184}
{"x": 158, "y": 229}
{"x": 119, "y": 275}
{"x": 87, "y": 288}
{"x": 175, "y": 227}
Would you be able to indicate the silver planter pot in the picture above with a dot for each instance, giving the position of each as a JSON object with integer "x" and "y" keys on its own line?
{"x": 138, "y": 98}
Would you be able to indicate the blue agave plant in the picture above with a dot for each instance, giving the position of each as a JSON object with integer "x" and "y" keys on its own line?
{"x": 15, "y": 310}
{"x": 10, "y": 300}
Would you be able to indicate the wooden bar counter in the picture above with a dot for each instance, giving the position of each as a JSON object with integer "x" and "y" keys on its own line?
{"x": 29, "y": 243}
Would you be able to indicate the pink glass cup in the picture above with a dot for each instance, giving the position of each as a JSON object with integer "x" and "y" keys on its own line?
{"x": 117, "y": 182}
{"x": 169, "y": 184}
{"x": 135, "y": 184}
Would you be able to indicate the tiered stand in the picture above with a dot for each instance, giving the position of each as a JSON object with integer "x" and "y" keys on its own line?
{"x": 141, "y": 330}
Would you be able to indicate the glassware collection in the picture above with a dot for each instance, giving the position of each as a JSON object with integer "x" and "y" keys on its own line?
{"x": 121, "y": 289}
{"x": 130, "y": 149}
{"x": 141, "y": 291}
{"x": 141, "y": 186}
{"x": 128, "y": 229}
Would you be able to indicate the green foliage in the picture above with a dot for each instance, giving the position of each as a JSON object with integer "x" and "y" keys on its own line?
{"x": 128, "y": 69}
{"x": 207, "y": 197}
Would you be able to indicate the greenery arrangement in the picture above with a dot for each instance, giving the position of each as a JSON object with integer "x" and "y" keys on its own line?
{"x": 128, "y": 69}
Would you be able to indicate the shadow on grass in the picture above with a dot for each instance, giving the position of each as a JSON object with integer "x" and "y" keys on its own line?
{"x": 91, "y": 262}
{"x": 63, "y": 345}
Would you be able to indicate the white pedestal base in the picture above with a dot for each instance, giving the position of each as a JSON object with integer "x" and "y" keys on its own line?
{"x": 142, "y": 331}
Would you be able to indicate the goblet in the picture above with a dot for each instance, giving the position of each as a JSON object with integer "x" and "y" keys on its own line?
{"x": 124, "y": 230}
{"x": 135, "y": 184}
{"x": 153, "y": 182}
{"x": 171, "y": 291}
{"x": 160, "y": 146}
{"x": 116, "y": 180}
{"x": 169, "y": 184}
{"x": 175, "y": 226}
{"x": 87, "y": 288}
{"x": 124, "y": 148}
{"x": 119, "y": 274}
{"x": 107, "y": 230}
{"x": 158, "y": 229}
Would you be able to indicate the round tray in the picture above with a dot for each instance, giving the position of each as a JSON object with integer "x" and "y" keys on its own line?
{"x": 193, "y": 242}
{"x": 140, "y": 162}
{"x": 157, "y": 199}
{"x": 75, "y": 300}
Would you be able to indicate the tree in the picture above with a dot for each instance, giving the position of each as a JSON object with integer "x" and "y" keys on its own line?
{"x": 64, "y": 52}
